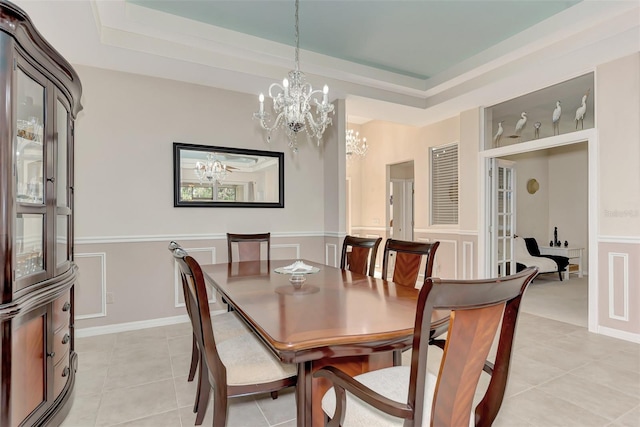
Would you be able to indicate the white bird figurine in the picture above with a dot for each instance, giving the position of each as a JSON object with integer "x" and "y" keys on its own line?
{"x": 498, "y": 135}
{"x": 556, "y": 118}
{"x": 521, "y": 123}
{"x": 581, "y": 111}
{"x": 537, "y": 131}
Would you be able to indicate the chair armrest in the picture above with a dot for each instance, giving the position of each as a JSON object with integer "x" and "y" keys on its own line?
{"x": 342, "y": 382}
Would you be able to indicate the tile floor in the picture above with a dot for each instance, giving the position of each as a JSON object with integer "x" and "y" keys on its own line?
{"x": 561, "y": 376}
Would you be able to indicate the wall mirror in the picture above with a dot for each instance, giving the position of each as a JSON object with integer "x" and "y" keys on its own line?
{"x": 207, "y": 176}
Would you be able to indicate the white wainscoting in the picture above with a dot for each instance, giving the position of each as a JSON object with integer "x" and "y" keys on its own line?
{"x": 467, "y": 260}
{"x": 101, "y": 292}
{"x": 611, "y": 284}
{"x": 331, "y": 254}
{"x": 283, "y": 251}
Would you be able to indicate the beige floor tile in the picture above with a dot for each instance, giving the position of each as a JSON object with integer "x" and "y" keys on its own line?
{"x": 96, "y": 343}
{"x": 541, "y": 409}
{"x": 555, "y": 357}
{"x": 90, "y": 381}
{"x": 180, "y": 345}
{"x": 588, "y": 395}
{"x": 185, "y": 390}
{"x": 138, "y": 371}
{"x": 132, "y": 403}
{"x": 279, "y": 410}
{"x": 630, "y": 419}
{"x": 243, "y": 412}
{"x": 141, "y": 337}
{"x": 588, "y": 347}
{"x": 89, "y": 360}
{"x": 166, "y": 419}
{"x": 614, "y": 377}
{"x": 178, "y": 330}
{"x": 531, "y": 371}
{"x": 623, "y": 359}
{"x": 83, "y": 411}
{"x": 157, "y": 349}
{"x": 180, "y": 365}
{"x": 290, "y": 423}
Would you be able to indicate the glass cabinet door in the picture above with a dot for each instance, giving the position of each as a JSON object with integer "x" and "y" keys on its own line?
{"x": 30, "y": 147}
{"x": 30, "y": 173}
{"x": 62, "y": 185}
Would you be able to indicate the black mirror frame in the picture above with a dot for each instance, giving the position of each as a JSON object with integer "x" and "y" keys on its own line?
{"x": 178, "y": 146}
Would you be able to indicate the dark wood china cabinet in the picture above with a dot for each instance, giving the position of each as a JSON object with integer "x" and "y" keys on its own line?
{"x": 41, "y": 94}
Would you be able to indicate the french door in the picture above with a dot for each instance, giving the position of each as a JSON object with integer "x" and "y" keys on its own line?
{"x": 502, "y": 177}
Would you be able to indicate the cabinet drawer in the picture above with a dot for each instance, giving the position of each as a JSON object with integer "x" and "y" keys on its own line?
{"x": 61, "y": 342}
{"x": 61, "y": 311}
{"x": 60, "y": 376}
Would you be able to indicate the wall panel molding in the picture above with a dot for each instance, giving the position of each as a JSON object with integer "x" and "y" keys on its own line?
{"x": 612, "y": 291}
{"x": 467, "y": 260}
{"x": 287, "y": 245}
{"x": 328, "y": 249}
{"x": 103, "y": 284}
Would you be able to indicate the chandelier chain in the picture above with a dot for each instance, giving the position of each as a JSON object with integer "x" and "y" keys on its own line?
{"x": 293, "y": 102}
{"x": 297, "y": 34}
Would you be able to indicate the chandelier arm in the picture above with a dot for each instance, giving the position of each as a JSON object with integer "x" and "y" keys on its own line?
{"x": 271, "y": 88}
{"x": 276, "y": 123}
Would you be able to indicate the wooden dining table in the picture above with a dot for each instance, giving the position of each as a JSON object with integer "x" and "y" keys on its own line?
{"x": 336, "y": 317}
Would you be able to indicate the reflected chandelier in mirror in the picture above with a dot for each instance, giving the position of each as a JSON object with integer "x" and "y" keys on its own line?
{"x": 207, "y": 176}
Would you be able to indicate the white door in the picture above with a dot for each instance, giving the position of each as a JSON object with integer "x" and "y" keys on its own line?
{"x": 402, "y": 209}
{"x": 502, "y": 178}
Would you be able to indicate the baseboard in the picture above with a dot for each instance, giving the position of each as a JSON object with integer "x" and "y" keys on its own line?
{"x": 622, "y": 335}
{"x": 134, "y": 326}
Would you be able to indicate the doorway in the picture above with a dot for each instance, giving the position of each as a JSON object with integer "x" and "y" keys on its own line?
{"x": 563, "y": 199}
{"x": 400, "y": 210}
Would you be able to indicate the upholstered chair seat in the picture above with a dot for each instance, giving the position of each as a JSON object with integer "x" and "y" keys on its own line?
{"x": 249, "y": 362}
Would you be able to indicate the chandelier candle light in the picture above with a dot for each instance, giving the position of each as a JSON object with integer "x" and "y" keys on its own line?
{"x": 213, "y": 170}
{"x": 292, "y": 104}
{"x": 354, "y": 145}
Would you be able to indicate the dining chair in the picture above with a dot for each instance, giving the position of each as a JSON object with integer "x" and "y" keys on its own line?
{"x": 249, "y": 246}
{"x": 226, "y": 325}
{"x": 236, "y": 366}
{"x": 408, "y": 259}
{"x": 413, "y": 396}
{"x": 359, "y": 254}
{"x": 173, "y": 245}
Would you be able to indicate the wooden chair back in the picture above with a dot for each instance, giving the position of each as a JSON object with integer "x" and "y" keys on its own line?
{"x": 197, "y": 302}
{"x": 359, "y": 254}
{"x": 478, "y": 308}
{"x": 249, "y": 246}
{"x": 409, "y": 256}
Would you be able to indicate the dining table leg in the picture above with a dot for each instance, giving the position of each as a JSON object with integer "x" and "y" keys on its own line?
{"x": 303, "y": 395}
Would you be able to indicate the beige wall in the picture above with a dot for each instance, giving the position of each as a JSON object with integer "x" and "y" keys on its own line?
{"x": 124, "y": 191}
{"x": 124, "y": 163}
{"x": 618, "y": 186}
{"x": 618, "y": 113}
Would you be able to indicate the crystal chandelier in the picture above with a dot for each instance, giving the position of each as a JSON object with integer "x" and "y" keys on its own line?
{"x": 355, "y": 145}
{"x": 212, "y": 170}
{"x": 292, "y": 103}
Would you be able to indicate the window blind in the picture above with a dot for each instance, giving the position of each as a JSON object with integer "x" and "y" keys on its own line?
{"x": 444, "y": 184}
